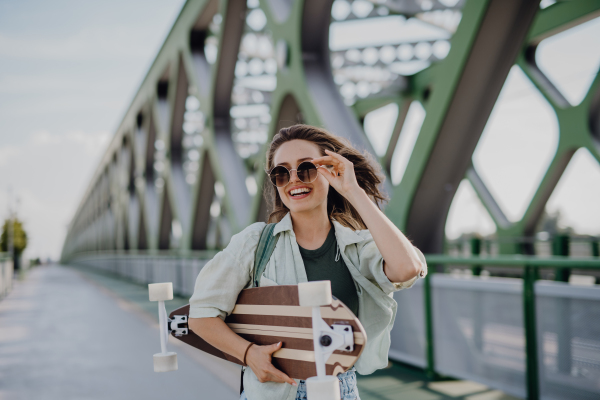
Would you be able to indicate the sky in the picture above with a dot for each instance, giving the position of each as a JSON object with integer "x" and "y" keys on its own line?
{"x": 69, "y": 69}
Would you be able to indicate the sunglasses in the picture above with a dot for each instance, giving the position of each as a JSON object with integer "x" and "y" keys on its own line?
{"x": 306, "y": 172}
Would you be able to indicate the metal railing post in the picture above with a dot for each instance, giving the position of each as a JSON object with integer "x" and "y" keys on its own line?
{"x": 560, "y": 247}
{"x": 478, "y": 306}
{"x": 595, "y": 248}
{"x": 531, "y": 358}
{"x": 476, "y": 251}
{"x": 429, "y": 350}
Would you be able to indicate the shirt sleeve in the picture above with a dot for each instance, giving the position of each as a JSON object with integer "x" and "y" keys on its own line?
{"x": 222, "y": 279}
{"x": 371, "y": 265}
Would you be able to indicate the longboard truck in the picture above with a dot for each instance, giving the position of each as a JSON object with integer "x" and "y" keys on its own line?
{"x": 164, "y": 361}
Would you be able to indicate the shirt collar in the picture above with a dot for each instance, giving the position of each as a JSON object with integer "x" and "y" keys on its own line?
{"x": 345, "y": 236}
{"x": 284, "y": 225}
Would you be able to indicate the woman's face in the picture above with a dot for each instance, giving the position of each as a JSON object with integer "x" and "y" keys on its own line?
{"x": 314, "y": 194}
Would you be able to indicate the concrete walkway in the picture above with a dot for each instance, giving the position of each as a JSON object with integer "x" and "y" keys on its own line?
{"x": 397, "y": 382}
{"x": 62, "y": 336}
{"x": 68, "y": 333}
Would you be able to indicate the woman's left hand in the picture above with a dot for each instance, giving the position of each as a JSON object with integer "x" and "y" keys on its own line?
{"x": 341, "y": 176}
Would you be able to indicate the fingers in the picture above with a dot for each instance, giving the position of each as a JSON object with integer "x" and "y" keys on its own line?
{"x": 332, "y": 157}
{"x": 277, "y": 375}
{"x": 328, "y": 175}
{"x": 272, "y": 348}
{"x": 337, "y": 156}
{"x": 280, "y": 376}
{"x": 325, "y": 160}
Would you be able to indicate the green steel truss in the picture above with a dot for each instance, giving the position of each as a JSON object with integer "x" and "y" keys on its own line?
{"x": 184, "y": 170}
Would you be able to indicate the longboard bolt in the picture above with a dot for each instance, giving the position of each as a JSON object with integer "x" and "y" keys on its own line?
{"x": 325, "y": 340}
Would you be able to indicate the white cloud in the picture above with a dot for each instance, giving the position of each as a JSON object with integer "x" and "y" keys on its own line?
{"x": 96, "y": 42}
{"x": 42, "y": 138}
{"x": 89, "y": 141}
{"x": 48, "y": 174}
{"x": 68, "y": 74}
{"x": 7, "y": 154}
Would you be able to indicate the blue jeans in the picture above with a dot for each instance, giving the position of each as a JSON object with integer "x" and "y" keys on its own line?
{"x": 348, "y": 389}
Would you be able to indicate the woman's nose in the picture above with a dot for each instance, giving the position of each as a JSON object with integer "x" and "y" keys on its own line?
{"x": 294, "y": 176}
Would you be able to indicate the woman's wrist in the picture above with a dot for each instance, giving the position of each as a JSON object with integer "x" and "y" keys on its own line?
{"x": 356, "y": 196}
{"x": 245, "y": 359}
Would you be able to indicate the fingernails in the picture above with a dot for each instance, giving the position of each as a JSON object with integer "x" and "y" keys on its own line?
{"x": 295, "y": 384}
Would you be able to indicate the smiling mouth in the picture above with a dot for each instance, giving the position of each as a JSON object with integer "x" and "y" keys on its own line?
{"x": 299, "y": 192}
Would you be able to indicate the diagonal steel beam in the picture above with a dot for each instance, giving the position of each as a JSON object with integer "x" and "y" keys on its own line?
{"x": 227, "y": 163}
{"x": 561, "y": 16}
{"x": 487, "y": 199}
{"x": 498, "y": 30}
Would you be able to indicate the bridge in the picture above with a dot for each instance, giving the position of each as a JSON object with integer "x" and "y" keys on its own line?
{"x": 184, "y": 171}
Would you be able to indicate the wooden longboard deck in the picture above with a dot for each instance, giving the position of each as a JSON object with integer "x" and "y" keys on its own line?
{"x": 272, "y": 314}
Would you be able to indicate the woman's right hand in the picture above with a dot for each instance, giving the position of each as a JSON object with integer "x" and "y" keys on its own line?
{"x": 259, "y": 360}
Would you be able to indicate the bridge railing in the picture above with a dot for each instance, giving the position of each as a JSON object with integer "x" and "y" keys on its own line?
{"x": 6, "y": 274}
{"x": 527, "y": 337}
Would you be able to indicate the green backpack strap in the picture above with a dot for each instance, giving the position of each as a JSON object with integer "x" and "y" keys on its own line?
{"x": 266, "y": 245}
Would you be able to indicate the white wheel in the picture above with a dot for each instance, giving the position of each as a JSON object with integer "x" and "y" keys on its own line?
{"x": 325, "y": 388}
{"x": 165, "y": 362}
{"x": 160, "y": 291}
{"x": 314, "y": 294}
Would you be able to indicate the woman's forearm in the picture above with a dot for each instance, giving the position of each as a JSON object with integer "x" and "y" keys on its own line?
{"x": 401, "y": 262}
{"x": 216, "y": 333}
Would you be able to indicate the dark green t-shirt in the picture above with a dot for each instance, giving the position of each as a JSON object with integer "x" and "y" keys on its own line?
{"x": 321, "y": 265}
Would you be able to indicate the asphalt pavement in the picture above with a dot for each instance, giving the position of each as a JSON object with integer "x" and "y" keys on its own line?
{"x": 74, "y": 333}
{"x": 64, "y": 336}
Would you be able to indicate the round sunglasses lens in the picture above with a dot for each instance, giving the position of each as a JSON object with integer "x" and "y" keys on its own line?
{"x": 279, "y": 176}
{"x": 307, "y": 172}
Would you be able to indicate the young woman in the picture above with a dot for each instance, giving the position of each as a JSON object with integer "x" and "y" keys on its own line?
{"x": 325, "y": 200}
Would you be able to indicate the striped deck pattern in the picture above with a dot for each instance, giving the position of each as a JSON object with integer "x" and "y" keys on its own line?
{"x": 272, "y": 314}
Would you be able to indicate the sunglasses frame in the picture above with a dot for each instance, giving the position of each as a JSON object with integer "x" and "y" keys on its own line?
{"x": 295, "y": 169}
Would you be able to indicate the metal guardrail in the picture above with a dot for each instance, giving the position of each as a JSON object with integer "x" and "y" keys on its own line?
{"x": 6, "y": 274}
{"x": 187, "y": 254}
{"x": 530, "y": 266}
{"x": 181, "y": 268}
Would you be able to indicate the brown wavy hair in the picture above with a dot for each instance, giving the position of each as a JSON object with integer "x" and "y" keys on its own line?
{"x": 367, "y": 171}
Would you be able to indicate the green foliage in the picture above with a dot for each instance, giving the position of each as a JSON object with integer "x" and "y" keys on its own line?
{"x": 19, "y": 236}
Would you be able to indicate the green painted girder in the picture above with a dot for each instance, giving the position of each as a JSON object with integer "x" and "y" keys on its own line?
{"x": 460, "y": 99}
{"x": 441, "y": 96}
{"x": 517, "y": 261}
{"x": 296, "y": 98}
{"x": 574, "y": 124}
{"x": 560, "y": 17}
{"x": 304, "y": 86}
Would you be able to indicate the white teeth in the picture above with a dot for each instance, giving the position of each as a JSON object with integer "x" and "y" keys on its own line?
{"x": 295, "y": 192}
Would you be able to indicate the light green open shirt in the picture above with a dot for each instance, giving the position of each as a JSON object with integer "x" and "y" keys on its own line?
{"x": 221, "y": 280}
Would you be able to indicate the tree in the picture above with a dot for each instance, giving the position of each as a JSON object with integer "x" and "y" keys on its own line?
{"x": 19, "y": 238}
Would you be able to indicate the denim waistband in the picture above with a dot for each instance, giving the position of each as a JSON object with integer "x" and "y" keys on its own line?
{"x": 348, "y": 388}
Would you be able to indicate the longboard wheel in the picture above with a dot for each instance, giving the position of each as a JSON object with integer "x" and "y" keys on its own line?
{"x": 160, "y": 291}
{"x": 324, "y": 388}
{"x": 315, "y": 293}
{"x": 165, "y": 362}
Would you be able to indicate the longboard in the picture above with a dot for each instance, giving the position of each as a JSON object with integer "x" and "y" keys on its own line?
{"x": 271, "y": 314}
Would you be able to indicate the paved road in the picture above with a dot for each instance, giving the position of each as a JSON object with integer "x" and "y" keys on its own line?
{"x": 64, "y": 337}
